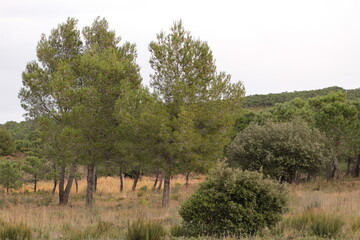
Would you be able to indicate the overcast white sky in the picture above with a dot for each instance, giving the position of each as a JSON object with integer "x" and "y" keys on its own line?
{"x": 269, "y": 45}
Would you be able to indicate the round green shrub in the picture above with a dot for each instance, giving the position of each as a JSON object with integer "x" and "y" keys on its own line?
{"x": 234, "y": 202}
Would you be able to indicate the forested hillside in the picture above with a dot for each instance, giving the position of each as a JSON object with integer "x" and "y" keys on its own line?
{"x": 269, "y": 100}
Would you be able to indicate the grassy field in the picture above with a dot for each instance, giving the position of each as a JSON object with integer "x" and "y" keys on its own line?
{"x": 330, "y": 205}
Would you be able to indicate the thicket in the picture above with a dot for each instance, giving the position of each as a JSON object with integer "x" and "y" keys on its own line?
{"x": 232, "y": 202}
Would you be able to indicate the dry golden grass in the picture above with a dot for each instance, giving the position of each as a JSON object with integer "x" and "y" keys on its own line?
{"x": 49, "y": 221}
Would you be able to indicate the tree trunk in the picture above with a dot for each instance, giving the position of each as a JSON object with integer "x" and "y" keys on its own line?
{"x": 136, "y": 179}
{"x": 7, "y": 189}
{"x": 69, "y": 184}
{"x": 121, "y": 178}
{"x": 76, "y": 185}
{"x": 160, "y": 183}
{"x": 357, "y": 166}
{"x": 95, "y": 180}
{"x": 166, "y": 192}
{"x": 61, "y": 186}
{"x": 55, "y": 180}
{"x": 335, "y": 172}
{"x": 333, "y": 169}
{"x": 156, "y": 181}
{"x": 35, "y": 182}
{"x": 55, "y": 185}
{"x": 90, "y": 185}
{"x": 348, "y": 170}
{"x": 297, "y": 177}
{"x": 187, "y": 179}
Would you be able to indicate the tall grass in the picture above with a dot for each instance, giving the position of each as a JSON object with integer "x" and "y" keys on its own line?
{"x": 317, "y": 223}
{"x": 145, "y": 230}
{"x": 15, "y": 232}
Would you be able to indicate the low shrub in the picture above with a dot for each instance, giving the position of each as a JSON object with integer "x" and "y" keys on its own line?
{"x": 143, "y": 230}
{"x": 15, "y": 232}
{"x": 234, "y": 202}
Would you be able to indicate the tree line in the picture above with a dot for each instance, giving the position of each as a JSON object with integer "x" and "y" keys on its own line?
{"x": 85, "y": 95}
{"x": 309, "y": 137}
{"x": 269, "y": 100}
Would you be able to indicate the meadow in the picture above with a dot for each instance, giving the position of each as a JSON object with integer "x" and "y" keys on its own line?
{"x": 329, "y": 210}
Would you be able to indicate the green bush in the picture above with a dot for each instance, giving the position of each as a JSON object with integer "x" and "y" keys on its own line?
{"x": 15, "y": 232}
{"x": 142, "y": 230}
{"x": 234, "y": 202}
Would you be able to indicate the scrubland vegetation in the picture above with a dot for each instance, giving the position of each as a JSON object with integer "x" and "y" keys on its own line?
{"x": 101, "y": 156}
{"x": 331, "y": 209}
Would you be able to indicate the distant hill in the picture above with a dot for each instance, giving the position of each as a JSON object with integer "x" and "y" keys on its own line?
{"x": 269, "y": 100}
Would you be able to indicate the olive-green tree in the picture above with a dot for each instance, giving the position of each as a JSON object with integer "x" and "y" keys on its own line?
{"x": 142, "y": 120}
{"x": 200, "y": 101}
{"x": 49, "y": 95}
{"x": 72, "y": 91}
{"x": 7, "y": 145}
{"x": 338, "y": 119}
{"x": 281, "y": 150}
{"x": 10, "y": 175}
{"x": 37, "y": 168}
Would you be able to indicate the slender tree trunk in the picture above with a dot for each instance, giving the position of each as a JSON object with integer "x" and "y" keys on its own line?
{"x": 348, "y": 170}
{"x": 136, "y": 179}
{"x": 156, "y": 181}
{"x": 35, "y": 182}
{"x": 95, "y": 180}
{"x": 297, "y": 177}
{"x": 160, "y": 183}
{"x": 55, "y": 185}
{"x": 76, "y": 185}
{"x": 61, "y": 185}
{"x": 187, "y": 179}
{"x": 166, "y": 192}
{"x": 335, "y": 171}
{"x": 7, "y": 189}
{"x": 357, "y": 166}
{"x": 90, "y": 185}
{"x": 121, "y": 175}
{"x": 69, "y": 184}
{"x": 55, "y": 180}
